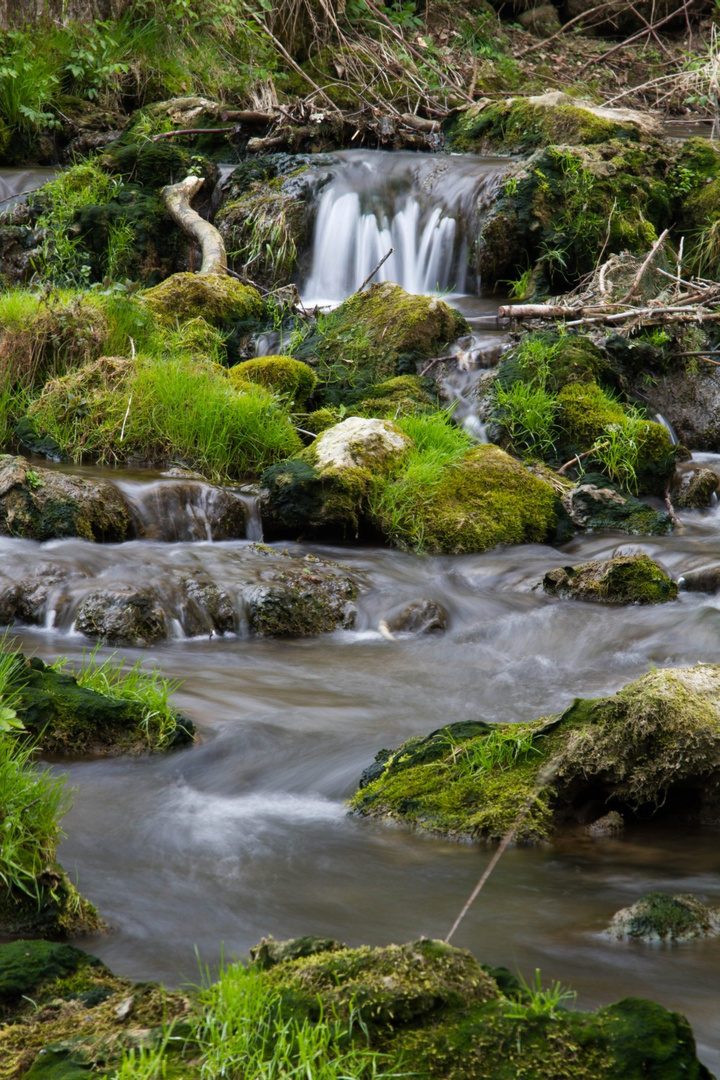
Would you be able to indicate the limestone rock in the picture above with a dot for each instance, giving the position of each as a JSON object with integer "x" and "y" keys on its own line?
{"x": 122, "y": 614}
{"x": 625, "y": 579}
{"x": 419, "y": 617}
{"x": 662, "y": 917}
{"x": 41, "y": 504}
{"x": 359, "y": 443}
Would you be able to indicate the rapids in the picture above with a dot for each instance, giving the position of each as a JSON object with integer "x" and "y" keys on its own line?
{"x": 245, "y": 834}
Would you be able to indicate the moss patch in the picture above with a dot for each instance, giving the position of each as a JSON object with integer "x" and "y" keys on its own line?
{"x": 661, "y": 917}
{"x": 626, "y": 579}
{"x": 282, "y": 374}
{"x": 215, "y": 297}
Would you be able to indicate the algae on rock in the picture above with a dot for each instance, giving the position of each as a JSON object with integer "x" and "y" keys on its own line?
{"x": 624, "y": 579}
{"x": 661, "y": 917}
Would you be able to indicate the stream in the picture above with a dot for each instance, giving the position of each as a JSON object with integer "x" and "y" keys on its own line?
{"x": 245, "y": 833}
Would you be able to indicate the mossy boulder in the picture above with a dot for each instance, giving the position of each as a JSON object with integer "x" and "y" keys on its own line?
{"x": 596, "y": 503}
{"x": 217, "y": 298}
{"x": 661, "y": 917}
{"x": 324, "y": 490}
{"x": 41, "y": 504}
{"x": 26, "y": 966}
{"x": 304, "y": 597}
{"x": 625, "y": 579}
{"x": 286, "y": 376}
{"x": 655, "y": 744}
{"x": 587, "y": 414}
{"x": 696, "y": 489}
{"x": 436, "y": 1011}
{"x": 402, "y": 396}
{"x": 374, "y": 336}
{"x": 521, "y": 124}
{"x": 484, "y": 499}
{"x": 70, "y": 719}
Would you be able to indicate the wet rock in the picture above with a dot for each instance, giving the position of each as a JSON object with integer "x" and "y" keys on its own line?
{"x": 269, "y": 952}
{"x": 211, "y": 609}
{"x": 419, "y": 617}
{"x": 597, "y": 503}
{"x": 705, "y": 580}
{"x": 176, "y": 511}
{"x": 122, "y": 615}
{"x": 625, "y": 579}
{"x": 696, "y": 489}
{"x": 41, "y": 504}
{"x": 56, "y": 913}
{"x": 662, "y": 917}
{"x": 301, "y": 600}
{"x": 608, "y": 825}
{"x": 26, "y": 601}
{"x": 217, "y": 298}
{"x": 655, "y": 744}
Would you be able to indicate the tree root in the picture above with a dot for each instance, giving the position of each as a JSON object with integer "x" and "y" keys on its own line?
{"x": 177, "y": 199}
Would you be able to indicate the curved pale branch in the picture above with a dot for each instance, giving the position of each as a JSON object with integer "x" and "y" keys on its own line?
{"x": 177, "y": 199}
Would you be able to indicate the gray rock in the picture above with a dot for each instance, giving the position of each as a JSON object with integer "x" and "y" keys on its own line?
{"x": 122, "y": 615}
{"x": 696, "y": 489}
{"x": 300, "y": 600}
{"x": 419, "y": 617}
{"x": 662, "y": 917}
{"x": 705, "y": 580}
{"x": 609, "y": 825}
{"x": 210, "y": 609}
{"x": 597, "y": 503}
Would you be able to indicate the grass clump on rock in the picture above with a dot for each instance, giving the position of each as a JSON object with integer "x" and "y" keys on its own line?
{"x": 654, "y": 743}
{"x": 217, "y": 298}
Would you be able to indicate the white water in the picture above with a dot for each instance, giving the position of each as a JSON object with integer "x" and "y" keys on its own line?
{"x": 421, "y": 205}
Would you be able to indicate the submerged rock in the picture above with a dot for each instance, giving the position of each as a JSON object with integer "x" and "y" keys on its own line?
{"x": 217, "y": 298}
{"x": 122, "y": 615}
{"x": 210, "y": 609}
{"x": 419, "y": 617}
{"x": 611, "y": 824}
{"x": 41, "y": 504}
{"x": 661, "y": 917}
{"x": 705, "y": 580}
{"x": 655, "y": 744}
{"x": 696, "y": 489}
{"x": 597, "y": 503}
{"x": 625, "y": 579}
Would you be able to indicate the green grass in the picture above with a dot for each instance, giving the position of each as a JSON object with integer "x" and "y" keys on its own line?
{"x": 395, "y": 500}
{"x": 135, "y": 684}
{"x": 529, "y": 413}
{"x": 538, "y": 1003}
{"x": 498, "y": 751}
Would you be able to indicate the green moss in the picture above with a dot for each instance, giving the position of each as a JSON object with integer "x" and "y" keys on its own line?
{"x": 631, "y": 750}
{"x": 403, "y": 395}
{"x": 596, "y": 503}
{"x": 282, "y": 374}
{"x": 483, "y": 499}
{"x": 265, "y": 230}
{"x": 625, "y": 579}
{"x": 661, "y": 917}
{"x": 57, "y": 912}
{"x": 155, "y": 164}
{"x": 519, "y": 124}
{"x": 298, "y": 499}
{"x": 376, "y": 335}
{"x": 215, "y": 297}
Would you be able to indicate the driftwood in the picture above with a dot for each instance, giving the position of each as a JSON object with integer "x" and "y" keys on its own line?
{"x": 177, "y": 200}
{"x": 247, "y": 116}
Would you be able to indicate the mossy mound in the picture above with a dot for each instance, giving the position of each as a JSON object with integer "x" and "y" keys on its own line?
{"x": 27, "y": 966}
{"x": 376, "y": 335}
{"x": 555, "y": 361}
{"x": 655, "y": 743}
{"x": 661, "y": 917}
{"x": 484, "y": 499}
{"x": 217, "y": 298}
{"x": 587, "y": 415}
{"x": 625, "y": 579}
{"x": 521, "y": 124}
{"x": 268, "y": 228}
{"x": 402, "y": 396}
{"x": 696, "y": 489}
{"x": 40, "y": 504}
{"x": 154, "y": 164}
{"x": 282, "y": 374}
{"x": 72, "y": 719}
{"x": 57, "y": 912}
{"x": 596, "y": 503}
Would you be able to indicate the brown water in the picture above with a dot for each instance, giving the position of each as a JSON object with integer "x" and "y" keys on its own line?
{"x": 245, "y": 834}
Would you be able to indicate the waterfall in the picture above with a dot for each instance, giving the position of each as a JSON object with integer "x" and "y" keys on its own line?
{"x": 424, "y": 206}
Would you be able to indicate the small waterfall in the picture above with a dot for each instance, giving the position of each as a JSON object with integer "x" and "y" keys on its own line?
{"x": 465, "y": 382}
{"x": 421, "y": 205}
{"x": 15, "y": 184}
{"x": 172, "y": 511}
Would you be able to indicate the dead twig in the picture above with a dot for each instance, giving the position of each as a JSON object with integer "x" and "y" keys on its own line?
{"x": 670, "y": 509}
{"x": 639, "y": 276}
{"x": 370, "y": 276}
{"x": 437, "y": 360}
{"x": 579, "y": 457}
{"x": 634, "y": 37}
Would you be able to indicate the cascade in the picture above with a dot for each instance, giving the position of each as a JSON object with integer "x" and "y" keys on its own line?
{"x": 424, "y": 206}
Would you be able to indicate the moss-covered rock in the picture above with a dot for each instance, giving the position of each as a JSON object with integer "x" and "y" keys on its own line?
{"x": 587, "y": 414}
{"x": 56, "y": 912}
{"x": 661, "y": 917}
{"x": 217, "y": 298}
{"x": 656, "y": 743}
{"x": 303, "y": 598}
{"x": 268, "y": 228}
{"x": 521, "y": 124}
{"x": 41, "y": 504}
{"x": 72, "y": 719}
{"x": 696, "y": 489}
{"x": 485, "y": 498}
{"x": 27, "y": 966}
{"x": 123, "y": 615}
{"x": 596, "y": 503}
{"x": 402, "y": 396}
{"x": 376, "y": 335}
{"x": 625, "y": 579}
{"x": 282, "y": 374}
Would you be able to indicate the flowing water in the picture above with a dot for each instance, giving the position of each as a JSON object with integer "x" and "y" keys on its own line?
{"x": 16, "y": 184}
{"x": 421, "y": 205}
{"x": 245, "y": 834}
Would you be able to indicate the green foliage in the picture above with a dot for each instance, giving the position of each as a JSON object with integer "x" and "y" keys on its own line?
{"x": 146, "y": 688}
{"x": 245, "y": 1030}
{"x": 500, "y": 749}
{"x": 529, "y": 413}
{"x": 290, "y": 378}
{"x": 29, "y": 81}
{"x": 537, "y": 1003}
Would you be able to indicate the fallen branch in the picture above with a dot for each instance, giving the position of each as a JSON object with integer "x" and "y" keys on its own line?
{"x": 437, "y": 360}
{"x": 639, "y": 276}
{"x": 634, "y": 37}
{"x": 374, "y": 272}
{"x": 670, "y": 509}
{"x": 247, "y": 116}
{"x": 579, "y": 457}
{"x": 193, "y": 131}
{"x": 177, "y": 199}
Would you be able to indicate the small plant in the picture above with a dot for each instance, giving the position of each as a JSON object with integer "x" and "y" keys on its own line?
{"x": 618, "y": 450}
{"x": 538, "y": 1003}
{"x": 529, "y": 413}
{"x": 148, "y": 688}
{"x": 33, "y": 479}
{"x": 498, "y": 751}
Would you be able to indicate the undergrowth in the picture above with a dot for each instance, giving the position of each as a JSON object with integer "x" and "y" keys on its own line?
{"x": 147, "y": 688}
